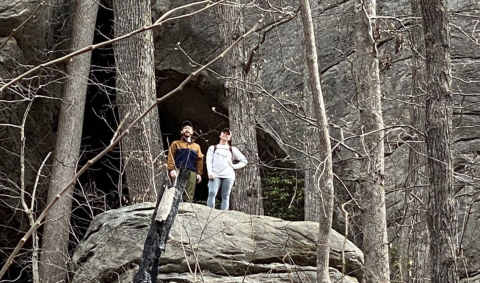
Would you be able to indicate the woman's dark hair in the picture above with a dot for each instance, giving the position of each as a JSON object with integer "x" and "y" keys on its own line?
{"x": 228, "y": 132}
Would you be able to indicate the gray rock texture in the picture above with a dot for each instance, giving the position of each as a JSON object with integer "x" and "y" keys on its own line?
{"x": 211, "y": 246}
{"x": 183, "y": 45}
{"x": 279, "y": 66}
{"x": 12, "y": 14}
{"x": 35, "y": 27}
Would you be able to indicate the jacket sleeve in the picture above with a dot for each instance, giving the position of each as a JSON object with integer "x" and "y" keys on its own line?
{"x": 209, "y": 160}
{"x": 199, "y": 161}
{"x": 237, "y": 155}
{"x": 172, "y": 150}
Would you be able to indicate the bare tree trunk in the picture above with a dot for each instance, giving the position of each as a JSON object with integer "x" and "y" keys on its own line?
{"x": 312, "y": 203}
{"x": 247, "y": 194}
{"x": 325, "y": 184}
{"x": 55, "y": 241}
{"x": 372, "y": 190}
{"x": 136, "y": 91}
{"x": 414, "y": 244}
{"x": 442, "y": 218}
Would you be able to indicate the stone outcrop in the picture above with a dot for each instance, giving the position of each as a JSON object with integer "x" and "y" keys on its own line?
{"x": 211, "y": 246}
{"x": 279, "y": 66}
{"x": 12, "y": 14}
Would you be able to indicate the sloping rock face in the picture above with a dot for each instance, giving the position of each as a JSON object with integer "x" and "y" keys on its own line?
{"x": 210, "y": 246}
{"x": 18, "y": 53}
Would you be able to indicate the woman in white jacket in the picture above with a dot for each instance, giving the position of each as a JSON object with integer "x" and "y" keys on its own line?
{"x": 220, "y": 168}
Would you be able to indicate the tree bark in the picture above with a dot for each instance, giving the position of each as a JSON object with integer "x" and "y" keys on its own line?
{"x": 442, "y": 218}
{"x": 136, "y": 91}
{"x": 372, "y": 190}
{"x": 312, "y": 203}
{"x": 157, "y": 237}
{"x": 246, "y": 196}
{"x": 54, "y": 256}
{"x": 325, "y": 184}
{"x": 414, "y": 244}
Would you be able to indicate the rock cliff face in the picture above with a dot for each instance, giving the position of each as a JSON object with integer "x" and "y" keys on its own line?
{"x": 210, "y": 246}
{"x": 279, "y": 66}
{"x": 26, "y": 37}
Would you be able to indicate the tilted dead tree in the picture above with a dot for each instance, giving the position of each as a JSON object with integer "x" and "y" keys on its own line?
{"x": 166, "y": 210}
{"x": 127, "y": 128}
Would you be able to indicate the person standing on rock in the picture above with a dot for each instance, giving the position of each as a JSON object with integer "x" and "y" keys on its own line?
{"x": 185, "y": 153}
{"x": 220, "y": 168}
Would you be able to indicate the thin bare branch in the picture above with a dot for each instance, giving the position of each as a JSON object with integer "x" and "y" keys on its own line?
{"x": 14, "y": 31}
{"x": 127, "y": 130}
{"x": 163, "y": 19}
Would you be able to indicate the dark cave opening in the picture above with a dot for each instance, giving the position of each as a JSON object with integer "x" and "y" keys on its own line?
{"x": 201, "y": 101}
{"x": 103, "y": 187}
{"x": 100, "y": 188}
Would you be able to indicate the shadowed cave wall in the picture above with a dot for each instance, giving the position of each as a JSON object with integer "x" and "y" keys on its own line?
{"x": 202, "y": 101}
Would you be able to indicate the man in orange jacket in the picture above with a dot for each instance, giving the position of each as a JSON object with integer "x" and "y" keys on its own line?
{"x": 185, "y": 153}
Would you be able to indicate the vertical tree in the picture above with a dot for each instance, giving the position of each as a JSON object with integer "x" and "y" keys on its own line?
{"x": 372, "y": 190}
{"x": 312, "y": 202}
{"x": 414, "y": 249}
{"x": 136, "y": 91}
{"x": 57, "y": 225}
{"x": 325, "y": 185}
{"x": 247, "y": 195}
{"x": 312, "y": 197}
{"x": 439, "y": 112}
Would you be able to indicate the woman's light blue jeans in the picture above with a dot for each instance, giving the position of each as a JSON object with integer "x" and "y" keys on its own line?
{"x": 214, "y": 185}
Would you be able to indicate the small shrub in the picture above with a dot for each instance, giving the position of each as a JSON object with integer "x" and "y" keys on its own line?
{"x": 283, "y": 195}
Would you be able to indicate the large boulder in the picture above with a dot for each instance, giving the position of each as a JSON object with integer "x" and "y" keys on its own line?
{"x": 211, "y": 245}
{"x": 279, "y": 65}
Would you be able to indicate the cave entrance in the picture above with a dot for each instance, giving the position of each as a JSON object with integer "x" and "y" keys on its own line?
{"x": 197, "y": 103}
{"x": 103, "y": 187}
{"x": 201, "y": 101}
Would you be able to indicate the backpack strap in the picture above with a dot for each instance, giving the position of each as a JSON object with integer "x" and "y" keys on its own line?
{"x": 229, "y": 147}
